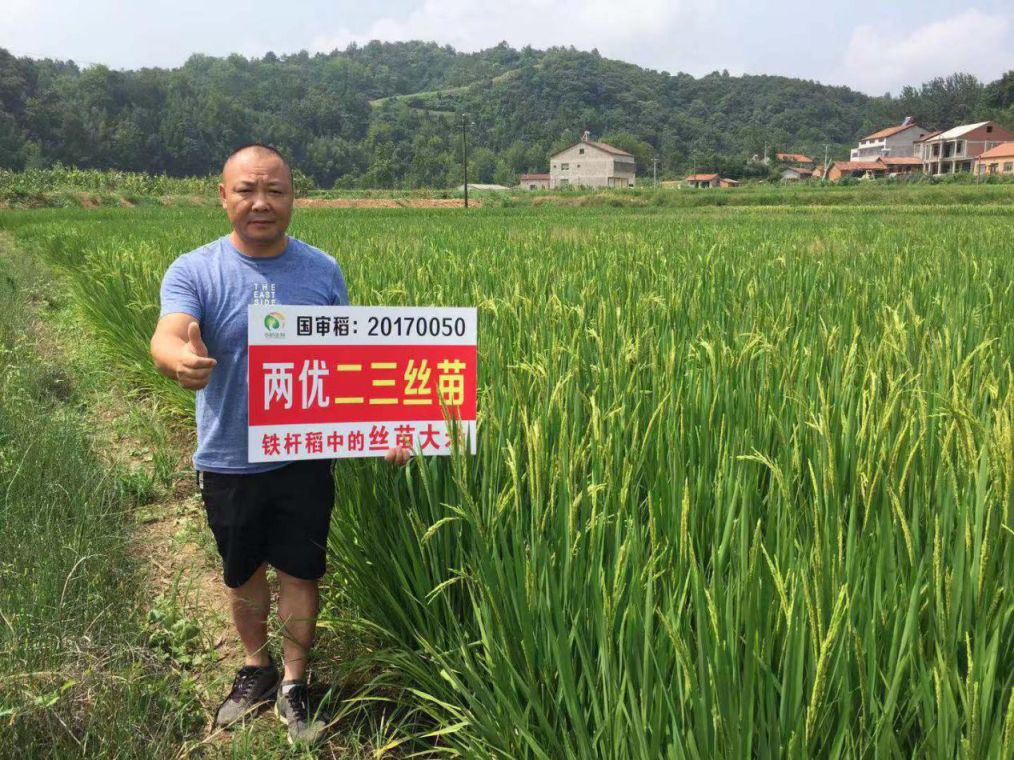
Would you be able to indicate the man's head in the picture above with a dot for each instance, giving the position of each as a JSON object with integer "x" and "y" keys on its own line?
{"x": 256, "y": 193}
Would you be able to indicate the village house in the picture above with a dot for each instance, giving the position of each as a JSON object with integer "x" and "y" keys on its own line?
{"x": 796, "y": 159}
{"x": 591, "y": 164}
{"x": 899, "y": 165}
{"x": 704, "y": 180}
{"x": 998, "y": 160}
{"x": 710, "y": 180}
{"x": 534, "y": 182}
{"x": 892, "y": 141}
{"x": 796, "y": 173}
{"x": 857, "y": 169}
{"x": 956, "y": 150}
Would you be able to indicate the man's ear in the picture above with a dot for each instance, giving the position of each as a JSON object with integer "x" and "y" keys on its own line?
{"x": 221, "y": 193}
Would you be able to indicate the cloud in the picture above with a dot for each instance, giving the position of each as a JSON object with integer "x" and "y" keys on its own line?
{"x": 612, "y": 27}
{"x": 878, "y": 60}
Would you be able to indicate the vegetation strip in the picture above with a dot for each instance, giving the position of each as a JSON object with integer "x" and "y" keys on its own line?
{"x": 78, "y": 675}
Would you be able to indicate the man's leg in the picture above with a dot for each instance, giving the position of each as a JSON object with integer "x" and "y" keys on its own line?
{"x": 298, "y": 603}
{"x": 234, "y": 505}
{"x": 250, "y": 604}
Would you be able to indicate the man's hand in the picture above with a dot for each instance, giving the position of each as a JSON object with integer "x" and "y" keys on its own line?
{"x": 398, "y": 456}
{"x": 193, "y": 370}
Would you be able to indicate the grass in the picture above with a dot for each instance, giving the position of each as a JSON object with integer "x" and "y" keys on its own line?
{"x": 744, "y": 486}
{"x": 76, "y": 678}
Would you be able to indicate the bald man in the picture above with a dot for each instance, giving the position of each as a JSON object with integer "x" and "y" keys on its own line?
{"x": 268, "y": 513}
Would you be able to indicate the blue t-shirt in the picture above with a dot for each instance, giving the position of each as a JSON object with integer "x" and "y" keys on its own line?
{"x": 215, "y": 284}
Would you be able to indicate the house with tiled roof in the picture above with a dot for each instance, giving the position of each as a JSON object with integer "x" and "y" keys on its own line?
{"x": 901, "y": 164}
{"x": 899, "y": 140}
{"x": 796, "y": 159}
{"x": 592, "y": 164}
{"x": 857, "y": 169}
{"x": 957, "y": 149}
{"x": 710, "y": 179}
{"x": 534, "y": 181}
{"x": 796, "y": 173}
{"x": 998, "y": 160}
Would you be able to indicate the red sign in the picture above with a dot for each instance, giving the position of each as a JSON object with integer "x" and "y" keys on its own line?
{"x": 333, "y": 395}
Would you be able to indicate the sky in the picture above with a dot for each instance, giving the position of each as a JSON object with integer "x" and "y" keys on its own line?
{"x": 874, "y": 47}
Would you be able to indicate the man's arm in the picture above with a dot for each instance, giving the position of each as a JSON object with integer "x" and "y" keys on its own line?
{"x": 179, "y": 352}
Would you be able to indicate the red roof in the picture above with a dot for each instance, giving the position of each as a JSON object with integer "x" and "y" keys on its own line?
{"x": 930, "y": 136}
{"x": 530, "y": 177}
{"x": 702, "y": 177}
{"x": 855, "y": 166}
{"x": 1006, "y": 150}
{"x": 900, "y": 161}
{"x": 884, "y": 133}
{"x": 798, "y": 157}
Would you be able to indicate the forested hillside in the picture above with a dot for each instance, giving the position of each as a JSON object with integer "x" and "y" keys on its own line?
{"x": 389, "y": 114}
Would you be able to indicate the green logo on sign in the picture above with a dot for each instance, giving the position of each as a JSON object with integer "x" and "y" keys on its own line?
{"x": 274, "y": 320}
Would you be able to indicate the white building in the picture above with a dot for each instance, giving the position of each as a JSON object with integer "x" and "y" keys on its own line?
{"x": 957, "y": 149}
{"x": 591, "y": 164}
{"x": 895, "y": 142}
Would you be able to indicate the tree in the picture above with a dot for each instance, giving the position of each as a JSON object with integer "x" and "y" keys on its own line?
{"x": 383, "y": 114}
{"x": 481, "y": 165}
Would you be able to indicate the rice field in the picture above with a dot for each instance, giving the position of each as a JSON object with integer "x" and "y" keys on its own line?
{"x": 744, "y": 486}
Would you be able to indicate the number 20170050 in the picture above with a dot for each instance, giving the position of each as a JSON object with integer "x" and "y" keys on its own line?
{"x": 422, "y": 327}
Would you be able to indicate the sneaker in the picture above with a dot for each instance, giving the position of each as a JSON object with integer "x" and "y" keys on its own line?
{"x": 253, "y": 686}
{"x": 293, "y": 709}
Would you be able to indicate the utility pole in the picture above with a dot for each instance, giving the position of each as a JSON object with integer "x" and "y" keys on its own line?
{"x": 464, "y": 152}
{"x": 654, "y": 172}
{"x": 824, "y": 173}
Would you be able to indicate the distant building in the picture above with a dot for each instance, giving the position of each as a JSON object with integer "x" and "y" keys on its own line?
{"x": 956, "y": 150}
{"x": 796, "y": 159}
{"x": 479, "y": 186}
{"x": 892, "y": 141}
{"x": 704, "y": 180}
{"x": 710, "y": 180}
{"x": 901, "y": 164}
{"x": 858, "y": 169}
{"x": 796, "y": 173}
{"x": 592, "y": 164}
{"x": 534, "y": 182}
{"x": 998, "y": 160}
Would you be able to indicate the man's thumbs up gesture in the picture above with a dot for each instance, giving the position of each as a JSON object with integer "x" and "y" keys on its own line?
{"x": 193, "y": 370}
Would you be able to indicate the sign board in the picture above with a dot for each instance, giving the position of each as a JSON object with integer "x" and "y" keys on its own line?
{"x": 334, "y": 382}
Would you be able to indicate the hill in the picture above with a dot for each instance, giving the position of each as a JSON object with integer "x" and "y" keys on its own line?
{"x": 388, "y": 114}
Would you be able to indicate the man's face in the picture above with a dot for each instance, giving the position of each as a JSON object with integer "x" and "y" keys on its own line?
{"x": 256, "y": 193}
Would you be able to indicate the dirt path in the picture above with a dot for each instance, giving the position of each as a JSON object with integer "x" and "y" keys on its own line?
{"x": 170, "y": 542}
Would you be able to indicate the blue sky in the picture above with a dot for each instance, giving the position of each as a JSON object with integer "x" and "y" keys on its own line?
{"x": 874, "y": 47}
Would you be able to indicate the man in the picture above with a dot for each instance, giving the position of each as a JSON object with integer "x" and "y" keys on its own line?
{"x": 260, "y": 514}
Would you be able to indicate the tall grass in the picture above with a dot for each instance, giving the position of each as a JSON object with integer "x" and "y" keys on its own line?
{"x": 75, "y": 678}
{"x": 745, "y": 480}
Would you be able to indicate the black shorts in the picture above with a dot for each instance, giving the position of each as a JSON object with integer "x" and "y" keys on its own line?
{"x": 280, "y": 517}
